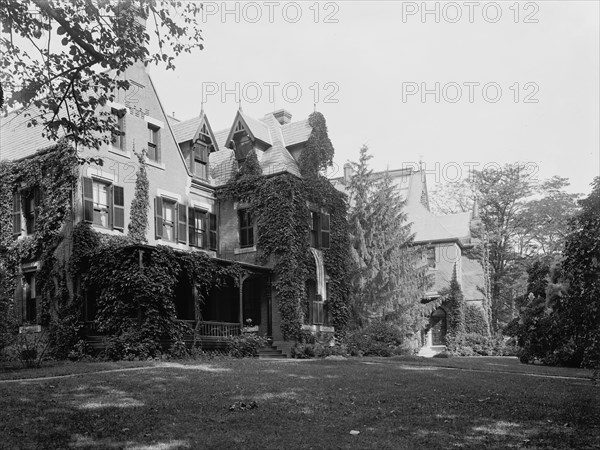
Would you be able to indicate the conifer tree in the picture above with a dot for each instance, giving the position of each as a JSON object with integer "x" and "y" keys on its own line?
{"x": 389, "y": 281}
{"x": 456, "y": 307}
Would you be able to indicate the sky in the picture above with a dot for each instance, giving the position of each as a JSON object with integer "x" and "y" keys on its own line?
{"x": 456, "y": 85}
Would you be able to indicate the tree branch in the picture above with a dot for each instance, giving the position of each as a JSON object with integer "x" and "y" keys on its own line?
{"x": 44, "y": 5}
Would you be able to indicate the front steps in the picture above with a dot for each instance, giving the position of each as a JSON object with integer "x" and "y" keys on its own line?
{"x": 270, "y": 352}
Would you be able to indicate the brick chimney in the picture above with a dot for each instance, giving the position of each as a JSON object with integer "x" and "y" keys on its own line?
{"x": 283, "y": 116}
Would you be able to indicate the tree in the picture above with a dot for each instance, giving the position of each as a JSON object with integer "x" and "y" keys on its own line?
{"x": 546, "y": 219}
{"x": 503, "y": 197}
{"x": 455, "y": 302}
{"x": 390, "y": 280}
{"x": 138, "y": 223}
{"x": 581, "y": 268}
{"x": 67, "y": 59}
{"x": 452, "y": 197}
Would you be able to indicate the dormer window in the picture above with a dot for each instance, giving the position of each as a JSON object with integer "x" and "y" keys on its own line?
{"x": 201, "y": 148}
{"x": 241, "y": 142}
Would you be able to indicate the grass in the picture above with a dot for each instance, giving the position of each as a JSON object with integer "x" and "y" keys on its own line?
{"x": 410, "y": 403}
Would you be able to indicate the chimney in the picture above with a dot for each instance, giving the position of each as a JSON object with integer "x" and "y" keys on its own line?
{"x": 283, "y": 116}
{"x": 348, "y": 172}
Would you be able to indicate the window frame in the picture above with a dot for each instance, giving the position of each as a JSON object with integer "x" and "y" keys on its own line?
{"x": 115, "y": 206}
{"x": 246, "y": 228}
{"x": 430, "y": 256}
{"x": 118, "y": 133}
{"x": 320, "y": 229}
{"x": 153, "y": 142}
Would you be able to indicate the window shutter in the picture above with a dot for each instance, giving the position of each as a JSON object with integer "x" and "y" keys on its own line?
{"x": 158, "y": 145}
{"x": 16, "y": 214}
{"x": 158, "y": 218}
{"x": 88, "y": 200}
{"x": 212, "y": 232}
{"x": 325, "y": 228}
{"x": 192, "y": 227}
{"x": 118, "y": 208}
{"x": 181, "y": 231}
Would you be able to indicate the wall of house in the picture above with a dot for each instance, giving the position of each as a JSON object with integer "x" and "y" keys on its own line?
{"x": 446, "y": 255}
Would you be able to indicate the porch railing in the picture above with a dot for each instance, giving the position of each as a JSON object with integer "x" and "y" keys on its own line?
{"x": 209, "y": 328}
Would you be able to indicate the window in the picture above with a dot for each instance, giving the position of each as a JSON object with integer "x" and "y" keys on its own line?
{"x": 319, "y": 230}
{"x": 16, "y": 214}
{"x": 29, "y": 298}
{"x": 29, "y": 203}
{"x": 24, "y": 207}
{"x": 170, "y": 220}
{"x": 197, "y": 228}
{"x": 431, "y": 257}
{"x": 169, "y": 210}
{"x": 103, "y": 204}
{"x": 118, "y": 133}
{"x": 241, "y": 142}
{"x": 153, "y": 143}
{"x": 200, "y": 155}
{"x": 202, "y": 229}
{"x": 246, "y": 228}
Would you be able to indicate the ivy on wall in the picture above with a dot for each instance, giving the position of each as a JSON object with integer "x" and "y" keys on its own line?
{"x": 135, "y": 285}
{"x": 53, "y": 173}
{"x": 280, "y": 205}
{"x": 138, "y": 216}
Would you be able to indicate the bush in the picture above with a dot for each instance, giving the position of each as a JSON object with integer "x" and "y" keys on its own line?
{"x": 131, "y": 345}
{"x": 244, "y": 346}
{"x": 377, "y": 339}
{"x": 29, "y": 348}
{"x": 63, "y": 334}
{"x": 475, "y": 321}
{"x": 473, "y": 344}
{"x": 179, "y": 350}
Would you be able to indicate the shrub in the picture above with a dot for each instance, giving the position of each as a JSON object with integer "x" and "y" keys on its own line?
{"x": 178, "y": 350}
{"x": 63, "y": 333}
{"x": 30, "y": 349}
{"x": 475, "y": 321}
{"x": 377, "y": 339}
{"x": 244, "y": 346}
{"x": 131, "y": 345}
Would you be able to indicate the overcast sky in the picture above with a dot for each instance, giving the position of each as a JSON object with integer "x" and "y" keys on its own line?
{"x": 514, "y": 83}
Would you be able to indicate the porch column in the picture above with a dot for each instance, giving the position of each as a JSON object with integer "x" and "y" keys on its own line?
{"x": 241, "y": 280}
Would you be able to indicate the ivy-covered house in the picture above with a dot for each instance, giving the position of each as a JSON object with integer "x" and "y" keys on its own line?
{"x": 173, "y": 223}
{"x": 450, "y": 242}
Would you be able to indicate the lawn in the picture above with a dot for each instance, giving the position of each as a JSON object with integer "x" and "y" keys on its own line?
{"x": 393, "y": 403}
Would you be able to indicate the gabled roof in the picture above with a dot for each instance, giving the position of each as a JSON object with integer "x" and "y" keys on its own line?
{"x": 256, "y": 129}
{"x": 184, "y": 131}
{"x": 190, "y": 129}
{"x": 17, "y": 140}
{"x": 278, "y": 138}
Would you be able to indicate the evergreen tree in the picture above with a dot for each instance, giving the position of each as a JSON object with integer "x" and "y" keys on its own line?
{"x": 455, "y": 303}
{"x": 388, "y": 283}
{"x": 138, "y": 221}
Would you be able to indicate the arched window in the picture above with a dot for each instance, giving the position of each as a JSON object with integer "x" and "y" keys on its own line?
{"x": 438, "y": 327}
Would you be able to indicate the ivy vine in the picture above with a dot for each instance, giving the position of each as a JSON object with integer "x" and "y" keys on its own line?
{"x": 138, "y": 217}
{"x": 281, "y": 206}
